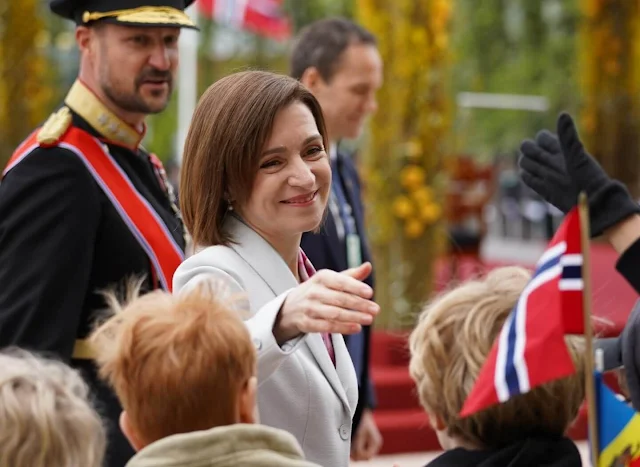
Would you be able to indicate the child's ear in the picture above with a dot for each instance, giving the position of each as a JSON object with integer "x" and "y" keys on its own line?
{"x": 436, "y": 422}
{"x": 130, "y": 433}
{"x": 440, "y": 424}
{"x": 248, "y": 407}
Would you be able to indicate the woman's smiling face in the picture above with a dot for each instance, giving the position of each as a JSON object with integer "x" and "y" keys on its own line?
{"x": 291, "y": 189}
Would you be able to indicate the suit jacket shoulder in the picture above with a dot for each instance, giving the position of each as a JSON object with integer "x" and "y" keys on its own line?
{"x": 251, "y": 265}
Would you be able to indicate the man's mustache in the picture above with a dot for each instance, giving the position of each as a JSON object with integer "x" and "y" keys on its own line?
{"x": 155, "y": 75}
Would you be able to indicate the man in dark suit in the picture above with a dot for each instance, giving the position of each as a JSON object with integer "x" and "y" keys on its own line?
{"x": 339, "y": 62}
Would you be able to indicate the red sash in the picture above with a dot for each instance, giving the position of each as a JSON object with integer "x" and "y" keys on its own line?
{"x": 136, "y": 212}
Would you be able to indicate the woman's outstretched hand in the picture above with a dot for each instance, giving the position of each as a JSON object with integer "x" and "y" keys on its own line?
{"x": 330, "y": 301}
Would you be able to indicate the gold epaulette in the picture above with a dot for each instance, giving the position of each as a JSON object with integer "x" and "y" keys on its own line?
{"x": 82, "y": 350}
{"x": 55, "y": 127}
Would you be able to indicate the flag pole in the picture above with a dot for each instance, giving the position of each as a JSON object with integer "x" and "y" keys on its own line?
{"x": 187, "y": 81}
{"x": 583, "y": 211}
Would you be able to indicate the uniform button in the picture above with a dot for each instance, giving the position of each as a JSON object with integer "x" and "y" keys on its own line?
{"x": 257, "y": 343}
{"x": 286, "y": 347}
{"x": 344, "y": 432}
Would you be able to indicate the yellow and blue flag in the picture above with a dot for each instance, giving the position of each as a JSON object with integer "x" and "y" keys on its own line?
{"x": 618, "y": 429}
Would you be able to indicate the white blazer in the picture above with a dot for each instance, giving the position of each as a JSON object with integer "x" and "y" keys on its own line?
{"x": 299, "y": 389}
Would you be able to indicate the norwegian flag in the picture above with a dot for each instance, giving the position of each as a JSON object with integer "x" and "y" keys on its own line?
{"x": 263, "y": 17}
{"x": 530, "y": 349}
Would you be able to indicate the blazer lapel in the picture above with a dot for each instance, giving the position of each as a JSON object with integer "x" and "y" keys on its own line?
{"x": 260, "y": 256}
{"x": 319, "y": 351}
{"x": 344, "y": 366}
{"x": 270, "y": 266}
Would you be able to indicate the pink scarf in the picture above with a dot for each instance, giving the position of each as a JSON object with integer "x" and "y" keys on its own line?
{"x": 305, "y": 271}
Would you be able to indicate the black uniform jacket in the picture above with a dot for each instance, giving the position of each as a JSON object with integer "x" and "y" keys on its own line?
{"x": 62, "y": 242}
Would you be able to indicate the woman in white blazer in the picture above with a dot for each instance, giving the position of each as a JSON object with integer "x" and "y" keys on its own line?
{"x": 255, "y": 176}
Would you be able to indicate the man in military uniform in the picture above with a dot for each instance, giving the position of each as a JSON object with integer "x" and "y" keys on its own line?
{"x": 83, "y": 207}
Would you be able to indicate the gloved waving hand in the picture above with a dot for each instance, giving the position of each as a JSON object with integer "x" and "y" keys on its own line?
{"x": 559, "y": 168}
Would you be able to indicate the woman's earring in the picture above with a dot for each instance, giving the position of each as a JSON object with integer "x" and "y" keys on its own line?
{"x": 229, "y": 206}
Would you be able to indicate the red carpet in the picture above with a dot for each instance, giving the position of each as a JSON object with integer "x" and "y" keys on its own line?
{"x": 400, "y": 418}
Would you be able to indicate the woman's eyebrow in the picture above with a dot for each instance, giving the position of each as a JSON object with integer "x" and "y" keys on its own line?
{"x": 279, "y": 149}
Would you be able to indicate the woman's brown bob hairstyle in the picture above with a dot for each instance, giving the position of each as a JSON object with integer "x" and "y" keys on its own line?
{"x": 229, "y": 128}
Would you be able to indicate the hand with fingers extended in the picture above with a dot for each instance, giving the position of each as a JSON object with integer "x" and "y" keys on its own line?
{"x": 559, "y": 168}
{"x": 330, "y": 301}
{"x": 543, "y": 169}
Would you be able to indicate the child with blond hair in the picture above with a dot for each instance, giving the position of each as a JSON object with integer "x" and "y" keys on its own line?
{"x": 184, "y": 368}
{"x": 46, "y": 418}
{"x": 449, "y": 346}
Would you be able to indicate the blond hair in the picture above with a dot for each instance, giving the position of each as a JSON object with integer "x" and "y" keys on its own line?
{"x": 176, "y": 362}
{"x": 47, "y": 420}
{"x": 449, "y": 346}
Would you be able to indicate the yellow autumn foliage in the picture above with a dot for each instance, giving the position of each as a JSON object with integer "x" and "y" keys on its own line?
{"x": 24, "y": 97}
{"x": 413, "y": 228}
{"x": 430, "y": 213}
{"x": 422, "y": 195}
{"x": 610, "y": 81}
{"x": 412, "y": 177}
{"x": 406, "y": 146}
{"x": 403, "y": 207}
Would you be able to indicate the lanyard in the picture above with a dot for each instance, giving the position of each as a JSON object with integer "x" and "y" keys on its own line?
{"x": 352, "y": 239}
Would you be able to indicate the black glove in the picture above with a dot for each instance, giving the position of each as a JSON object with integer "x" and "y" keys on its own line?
{"x": 559, "y": 171}
{"x": 542, "y": 168}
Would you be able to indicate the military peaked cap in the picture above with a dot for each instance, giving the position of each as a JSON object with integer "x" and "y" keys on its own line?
{"x": 156, "y": 13}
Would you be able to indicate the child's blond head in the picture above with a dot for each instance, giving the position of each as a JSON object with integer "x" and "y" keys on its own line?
{"x": 451, "y": 343}
{"x": 46, "y": 418}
